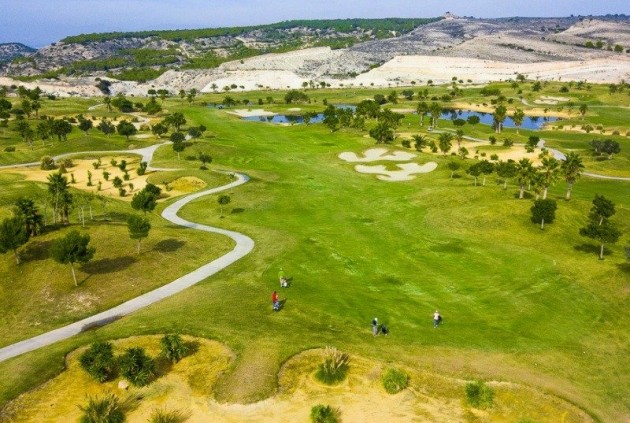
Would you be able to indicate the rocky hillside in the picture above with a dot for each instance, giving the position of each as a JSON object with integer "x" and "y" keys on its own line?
{"x": 10, "y": 51}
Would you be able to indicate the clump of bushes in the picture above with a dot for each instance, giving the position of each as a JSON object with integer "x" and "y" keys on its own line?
{"x": 9, "y": 149}
{"x": 136, "y": 366}
{"x": 395, "y": 380}
{"x": 479, "y": 395}
{"x": 47, "y": 163}
{"x": 324, "y": 414}
{"x": 334, "y": 368}
{"x": 163, "y": 416}
{"x": 104, "y": 409}
{"x": 98, "y": 361}
{"x": 173, "y": 348}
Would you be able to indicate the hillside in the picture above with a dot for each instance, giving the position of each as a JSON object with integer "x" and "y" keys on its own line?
{"x": 376, "y": 52}
{"x": 9, "y": 51}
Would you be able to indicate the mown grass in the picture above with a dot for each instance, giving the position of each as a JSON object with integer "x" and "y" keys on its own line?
{"x": 518, "y": 303}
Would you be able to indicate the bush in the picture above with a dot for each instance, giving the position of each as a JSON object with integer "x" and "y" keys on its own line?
{"x": 47, "y": 163}
{"x": 493, "y": 139}
{"x": 324, "y": 414}
{"x": 67, "y": 163}
{"x": 98, "y": 361}
{"x": 104, "y": 409}
{"x": 334, "y": 368}
{"x": 9, "y": 149}
{"x": 479, "y": 395}
{"x": 163, "y": 416}
{"x": 395, "y": 380}
{"x": 173, "y": 348}
{"x": 507, "y": 142}
{"x": 136, "y": 366}
{"x": 122, "y": 192}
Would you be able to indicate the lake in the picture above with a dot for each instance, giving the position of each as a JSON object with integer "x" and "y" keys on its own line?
{"x": 529, "y": 122}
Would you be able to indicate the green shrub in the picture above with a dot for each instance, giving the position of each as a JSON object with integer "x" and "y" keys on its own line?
{"x": 47, "y": 163}
{"x": 395, "y": 380}
{"x": 136, "y": 366}
{"x": 104, "y": 409}
{"x": 163, "y": 416}
{"x": 98, "y": 361}
{"x": 479, "y": 394}
{"x": 324, "y": 414}
{"x": 9, "y": 149}
{"x": 334, "y": 368}
{"x": 173, "y": 348}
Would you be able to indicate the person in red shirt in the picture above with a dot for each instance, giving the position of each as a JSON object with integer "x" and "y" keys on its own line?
{"x": 274, "y": 301}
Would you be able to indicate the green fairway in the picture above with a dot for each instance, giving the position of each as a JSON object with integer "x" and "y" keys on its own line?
{"x": 519, "y": 304}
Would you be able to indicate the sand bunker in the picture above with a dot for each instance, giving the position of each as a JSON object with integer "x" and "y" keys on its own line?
{"x": 406, "y": 172}
{"x": 376, "y": 154}
{"x": 251, "y": 112}
{"x": 550, "y": 100}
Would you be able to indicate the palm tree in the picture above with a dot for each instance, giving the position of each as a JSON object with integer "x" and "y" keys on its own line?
{"x": 524, "y": 173}
{"x": 459, "y": 135}
{"x": 445, "y": 139}
{"x": 550, "y": 169}
{"x": 420, "y": 142}
{"x": 498, "y": 117}
{"x": 61, "y": 198}
{"x": 572, "y": 170}
{"x": 518, "y": 118}
{"x": 436, "y": 111}
{"x": 422, "y": 109}
{"x": 108, "y": 103}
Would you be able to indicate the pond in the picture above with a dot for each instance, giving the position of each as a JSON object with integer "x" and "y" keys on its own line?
{"x": 292, "y": 119}
{"x": 529, "y": 122}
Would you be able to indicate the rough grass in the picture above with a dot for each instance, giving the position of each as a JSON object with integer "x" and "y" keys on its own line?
{"x": 518, "y": 304}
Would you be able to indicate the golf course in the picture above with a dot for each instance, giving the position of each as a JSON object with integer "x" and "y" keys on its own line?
{"x": 537, "y": 312}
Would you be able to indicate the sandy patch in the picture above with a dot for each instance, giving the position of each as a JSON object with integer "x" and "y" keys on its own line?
{"x": 188, "y": 387}
{"x": 550, "y": 100}
{"x": 376, "y": 154}
{"x": 251, "y": 112}
{"x": 295, "y": 109}
{"x": 132, "y": 186}
{"x": 406, "y": 172}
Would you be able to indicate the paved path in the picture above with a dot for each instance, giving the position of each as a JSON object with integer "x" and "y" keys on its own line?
{"x": 243, "y": 246}
{"x": 146, "y": 153}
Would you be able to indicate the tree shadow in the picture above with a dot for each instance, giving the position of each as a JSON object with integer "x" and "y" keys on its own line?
{"x": 168, "y": 245}
{"x": 587, "y": 248}
{"x": 99, "y": 323}
{"x": 36, "y": 250}
{"x": 624, "y": 267}
{"x": 237, "y": 210}
{"x": 108, "y": 265}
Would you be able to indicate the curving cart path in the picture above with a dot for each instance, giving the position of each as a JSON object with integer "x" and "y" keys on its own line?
{"x": 243, "y": 246}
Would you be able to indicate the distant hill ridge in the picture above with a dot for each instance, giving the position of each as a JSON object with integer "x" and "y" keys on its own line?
{"x": 9, "y": 51}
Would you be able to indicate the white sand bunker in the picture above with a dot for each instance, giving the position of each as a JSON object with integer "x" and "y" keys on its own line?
{"x": 406, "y": 172}
{"x": 375, "y": 155}
{"x": 251, "y": 112}
{"x": 550, "y": 100}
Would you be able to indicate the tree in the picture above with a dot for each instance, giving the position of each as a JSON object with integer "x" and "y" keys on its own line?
{"x": 611, "y": 147}
{"x": 499, "y": 115}
{"x": 61, "y": 198}
{"x": 436, "y": 111}
{"x": 73, "y": 248}
{"x": 33, "y": 220}
{"x": 126, "y": 129}
{"x": 550, "y": 169}
{"x": 61, "y": 128}
{"x": 159, "y": 129}
{"x": 223, "y": 200}
{"x": 518, "y": 116}
{"x": 422, "y": 109}
{"x": 106, "y": 127}
{"x": 544, "y": 211}
{"x": 453, "y": 167}
{"x": 204, "y": 158}
{"x": 604, "y": 233}
{"x": 295, "y": 96}
{"x": 108, "y": 102}
{"x": 139, "y": 228}
{"x": 524, "y": 172}
{"x": 486, "y": 168}
{"x": 583, "y": 109}
{"x": 43, "y": 131}
{"x": 177, "y": 120}
{"x": 602, "y": 209}
{"x": 474, "y": 171}
{"x": 145, "y": 200}
{"x": 178, "y": 142}
{"x": 382, "y": 133}
{"x": 331, "y": 118}
{"x": 459, "y": 136}
{"x": 572, "y": 170}
{"x": 420, "y": 142}
{"x": 173, "y": 348}
{"x": 13, "y": 235}
{"x": 444, "y": 142}
{"x": 506, "y": 170}
{"x": 85, "y": 125}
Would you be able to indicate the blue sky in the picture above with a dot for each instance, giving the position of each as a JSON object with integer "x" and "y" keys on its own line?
{"x": 40, "y": 22}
